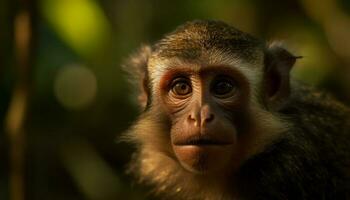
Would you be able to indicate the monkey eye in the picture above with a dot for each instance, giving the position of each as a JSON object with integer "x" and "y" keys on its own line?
{"x": 181, "y": 87}
{"x": 223, "y": 87}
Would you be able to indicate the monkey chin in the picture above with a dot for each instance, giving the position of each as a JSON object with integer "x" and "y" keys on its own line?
{"x": 204, "y": 159}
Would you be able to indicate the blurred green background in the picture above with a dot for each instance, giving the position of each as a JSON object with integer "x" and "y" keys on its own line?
{"x": 64, "y": 99}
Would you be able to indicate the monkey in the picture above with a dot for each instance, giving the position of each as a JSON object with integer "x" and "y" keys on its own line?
{"x": 223, "y": 119}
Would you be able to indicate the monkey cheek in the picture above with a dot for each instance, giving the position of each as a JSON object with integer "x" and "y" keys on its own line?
{"x": 204, "y": 159}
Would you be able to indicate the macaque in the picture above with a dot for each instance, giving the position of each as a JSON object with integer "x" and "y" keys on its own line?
{"x": 222, "y": 119}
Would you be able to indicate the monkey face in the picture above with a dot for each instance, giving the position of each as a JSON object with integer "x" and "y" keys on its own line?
{"x": 203, "y": 104}
{"x": 211, "y": 96}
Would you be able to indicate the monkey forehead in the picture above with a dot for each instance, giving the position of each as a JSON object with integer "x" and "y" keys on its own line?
{"x": 194, "y": 38}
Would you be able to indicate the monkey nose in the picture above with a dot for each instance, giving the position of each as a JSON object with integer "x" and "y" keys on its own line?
{"x": 202, "y": 116}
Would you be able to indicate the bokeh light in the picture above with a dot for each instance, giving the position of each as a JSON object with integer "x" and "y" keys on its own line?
{"x": 75, "y": 86}
{"x": 80, "y": 23}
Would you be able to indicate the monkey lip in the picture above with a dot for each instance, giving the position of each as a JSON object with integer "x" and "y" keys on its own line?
{"x": 202, "y": 141}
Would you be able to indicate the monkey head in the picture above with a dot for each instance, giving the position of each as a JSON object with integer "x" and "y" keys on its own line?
{"x": 210, "y": 95}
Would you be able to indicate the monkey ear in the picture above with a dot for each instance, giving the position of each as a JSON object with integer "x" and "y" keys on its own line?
{"x": 278, "y": 64}
{"x": 136, "y": 67}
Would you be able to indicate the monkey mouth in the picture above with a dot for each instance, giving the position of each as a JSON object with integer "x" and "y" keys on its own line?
{"x": 201, "y": 141}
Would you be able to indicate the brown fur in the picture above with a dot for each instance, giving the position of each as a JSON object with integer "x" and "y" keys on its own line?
{"x": 272, "y": 151}
{"x": 154, "y": 163}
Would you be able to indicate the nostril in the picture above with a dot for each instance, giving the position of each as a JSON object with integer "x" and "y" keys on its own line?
{"x": 193, "y": 119}
{"x": 209, "y": 118}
